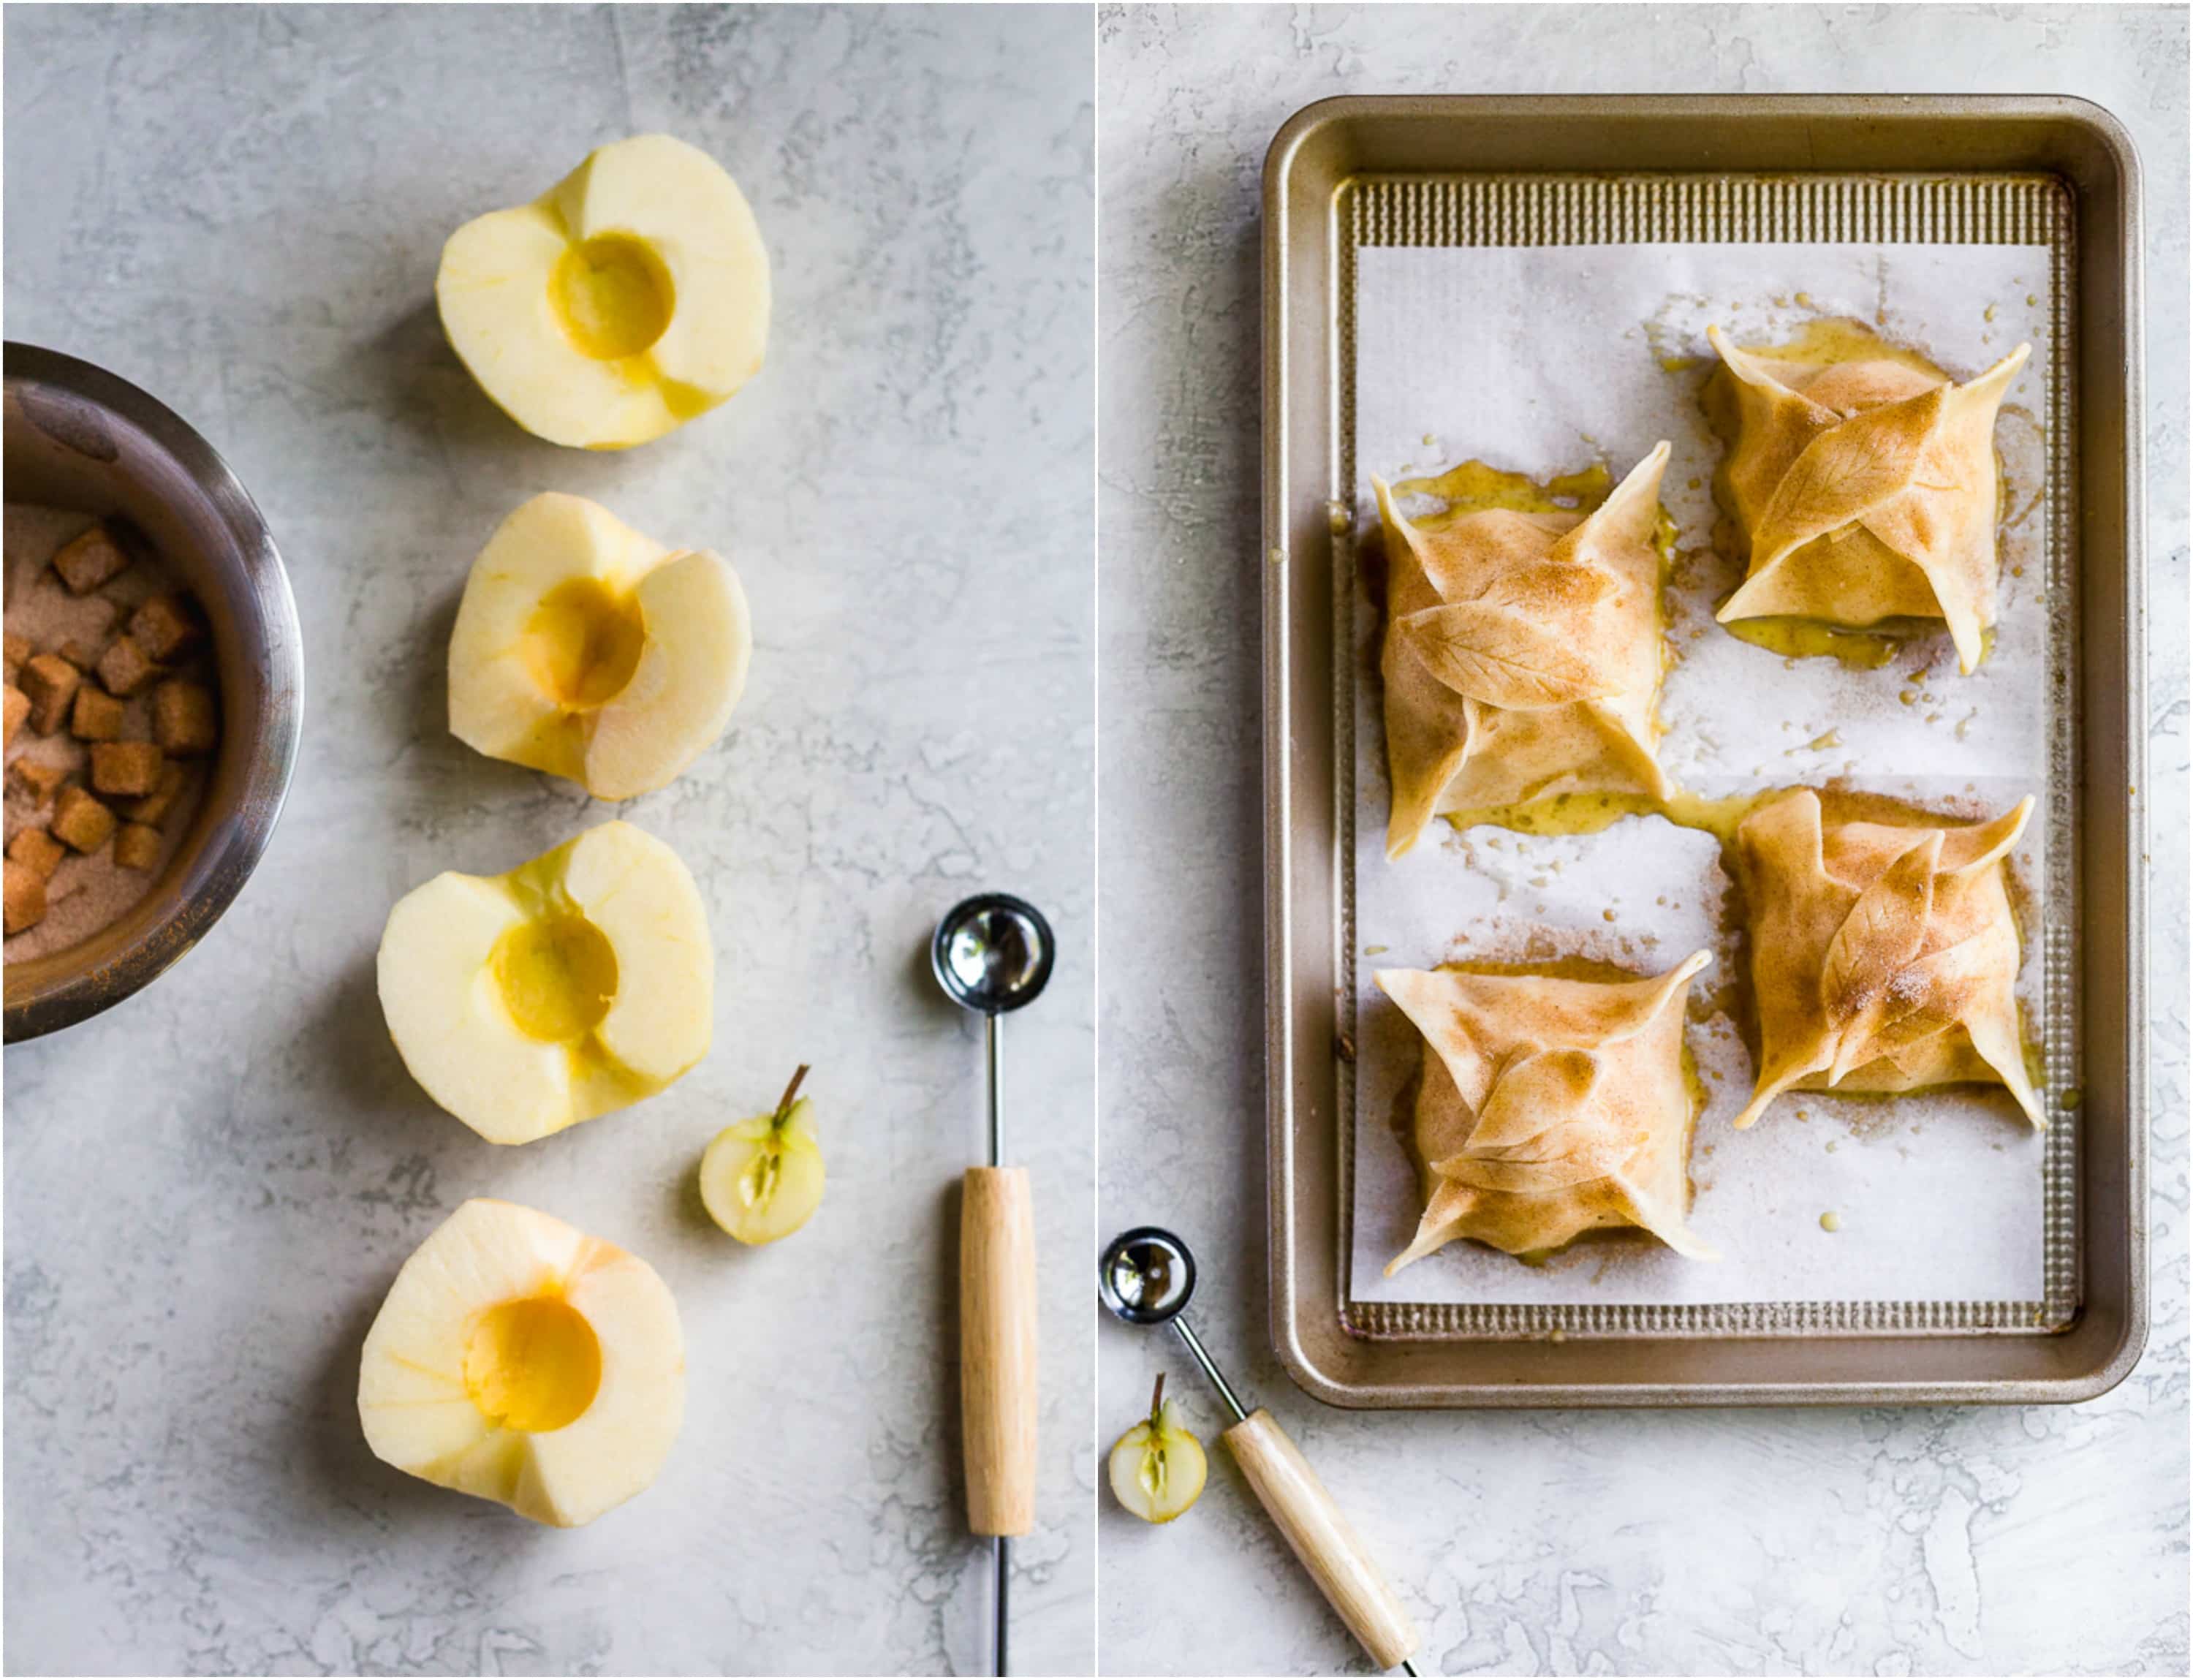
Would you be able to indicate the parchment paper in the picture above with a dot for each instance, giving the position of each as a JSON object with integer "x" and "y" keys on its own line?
{"x": 1488, "y": 354}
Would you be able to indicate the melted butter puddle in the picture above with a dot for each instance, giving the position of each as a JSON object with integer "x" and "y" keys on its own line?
{"x": 1859, "y": 649}
{"x": 1474, "y": 488}
{"x": 1561, "y": 814}
{"x": 1814, "y": 638}
{"x": 1592, "y": 813}
{"x": 1565, "y": 967}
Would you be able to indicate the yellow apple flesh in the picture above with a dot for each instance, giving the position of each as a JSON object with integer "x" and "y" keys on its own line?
{"x": 584, "y": 648}
{"x": 631, "y": 296}
{"x": 577, "y": 984}
{"x": 522, "y": 1361}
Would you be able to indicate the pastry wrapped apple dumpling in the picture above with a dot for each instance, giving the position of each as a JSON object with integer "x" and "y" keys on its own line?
{"x": 1883, "y": 957}
{"x": 1865, "y": 488}
{"x": 1522, "y": 654}
{"x": 1549, "y": 1107}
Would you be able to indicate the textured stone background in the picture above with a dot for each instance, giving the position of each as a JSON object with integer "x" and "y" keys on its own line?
{"x": 209, "y": 1189}
{"x": 1757, "y": 1541}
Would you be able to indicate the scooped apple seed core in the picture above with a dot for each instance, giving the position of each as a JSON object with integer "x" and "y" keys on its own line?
{"x": 532, "y": 1364}
{"x": 583, "y": 642}
{"x": 613, "y": 295}
{"x": 558, "y": 975}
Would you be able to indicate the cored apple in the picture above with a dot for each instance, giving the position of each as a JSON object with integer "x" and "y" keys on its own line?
{"x": 589, "y": 650}
{"x": 574, "y": 985}
{"x": 522, "y": 1361}
{"x": 631, "y": 297}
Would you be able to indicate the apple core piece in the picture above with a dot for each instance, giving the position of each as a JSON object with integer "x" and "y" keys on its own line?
{"x": 762, "y": 1177}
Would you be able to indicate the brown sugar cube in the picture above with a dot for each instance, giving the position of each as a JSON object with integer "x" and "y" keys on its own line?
{"x": 165, "y": 626}
{"x": 39, "y": 778}
{"x": 183, "y": 719}
{"x": 51, "y": 682}
{"x": 78, "y": 655}
{"x": 36, "y": 850}
{"x": 125, "y": 667}
{"x": 17, "y": 708}
{"x": 18, "y": 650}
{"x": 97, "y": 717}
{"x": 81, "y": 821}
{"x": 24, "y": 897}
{"x": 126, "y": 769}
{"x": 90, "y": 561}
{"x": 137, "y": 846}
{"x": 154, "y": 806}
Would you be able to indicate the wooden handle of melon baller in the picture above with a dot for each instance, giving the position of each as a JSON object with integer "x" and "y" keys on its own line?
{"x": 1344, "y": 1572}
{"x": 998, "y": 1349}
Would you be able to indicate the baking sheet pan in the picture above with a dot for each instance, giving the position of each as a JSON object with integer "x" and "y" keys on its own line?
{"x": 1362, "y": 175}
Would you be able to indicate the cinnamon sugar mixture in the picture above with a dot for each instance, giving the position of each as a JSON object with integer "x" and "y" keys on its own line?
{"x": 85, "y": 891}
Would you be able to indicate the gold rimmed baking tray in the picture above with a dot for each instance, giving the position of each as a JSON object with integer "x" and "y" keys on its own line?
{"x": 1349, "y": 173}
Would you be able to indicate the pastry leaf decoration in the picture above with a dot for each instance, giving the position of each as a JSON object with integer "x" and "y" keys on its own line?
{"x": 1867, "y": 984}
{"x": 1494, "y": 653}
{"x": 1551, "y": 589}
{"x": 1882, "y": 933}
{"x": 1534, "y": 1092}
{"x": 1541, "y": 1127}
{"x": 1845, "y": 472}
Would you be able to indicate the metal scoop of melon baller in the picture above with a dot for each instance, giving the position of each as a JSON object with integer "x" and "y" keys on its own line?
{"x": 993, "y": 955}
{"x": 1146, "y": 1278}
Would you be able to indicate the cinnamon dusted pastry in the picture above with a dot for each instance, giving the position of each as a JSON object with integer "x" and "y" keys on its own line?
{"x": 1866, "y": 490}
{"x": 1522, "y": 654}
{"x": 1549, "y": 1107}
{"x": 1883, "y": 957}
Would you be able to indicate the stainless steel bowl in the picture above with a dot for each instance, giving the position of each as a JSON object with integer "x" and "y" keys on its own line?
{"x": 77, "y": 437}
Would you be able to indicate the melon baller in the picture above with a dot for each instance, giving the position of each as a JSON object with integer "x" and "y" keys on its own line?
{"x": 1145, "y": 1278}
{"x": 992, "y": 954}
